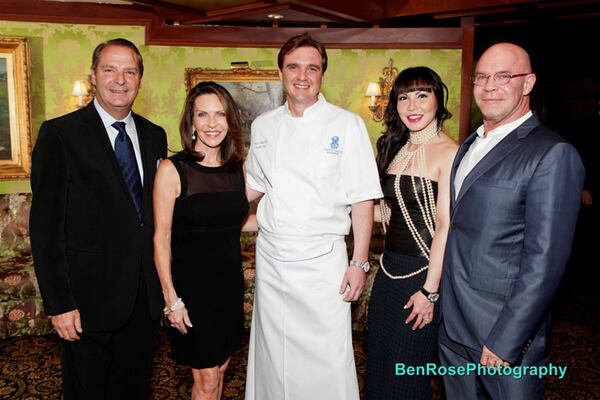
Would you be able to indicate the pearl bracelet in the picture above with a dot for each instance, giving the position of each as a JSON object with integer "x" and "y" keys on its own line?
{"x": 178, "y": 305}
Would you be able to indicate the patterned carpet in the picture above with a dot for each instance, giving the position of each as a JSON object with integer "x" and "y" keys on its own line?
{"x": 30, "y": 366}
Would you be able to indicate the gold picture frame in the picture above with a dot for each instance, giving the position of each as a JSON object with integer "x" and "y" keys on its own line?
{"x": 193, "y": 76}
{"x": 15, "y": 109}
{"x": 255, "y": 91}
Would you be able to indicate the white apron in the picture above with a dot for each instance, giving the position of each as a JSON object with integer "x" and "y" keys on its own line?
{"x": 301, "y": 341}
{"x": 311, "y": 169}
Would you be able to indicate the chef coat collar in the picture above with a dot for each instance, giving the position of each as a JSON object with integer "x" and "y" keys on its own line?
{"x": 310, "y": 112}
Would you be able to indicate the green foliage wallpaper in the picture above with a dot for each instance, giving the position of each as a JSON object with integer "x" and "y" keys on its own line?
{"x": 61, "y": 54}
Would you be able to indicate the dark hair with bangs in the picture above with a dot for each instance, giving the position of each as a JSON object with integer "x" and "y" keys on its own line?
{"x": 232, "y": 147}
{"x": 396, "y": 133}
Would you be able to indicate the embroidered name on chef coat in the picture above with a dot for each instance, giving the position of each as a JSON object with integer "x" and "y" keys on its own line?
{"x": 260, "y": 144}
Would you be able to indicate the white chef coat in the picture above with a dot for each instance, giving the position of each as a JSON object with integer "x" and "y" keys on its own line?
{"x": 310, "y": 169}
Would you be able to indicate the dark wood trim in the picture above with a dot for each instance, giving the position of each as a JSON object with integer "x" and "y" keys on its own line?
{"x": 468, "y": 31}
{"x": 568, "y": 3}
{"x": 234, "y": 12}
{"x": 248, "y": 7}
{"x": 350, "y": 9}
{"x": 74, "y": 13}
{"x": 171, "y": 8}
{"x": 330, "y": 14}
{"x": 351, "y": 22}
{"x": 421, "y": 7}
{"x": 340, "y": 38}
{"x": 475, "y": 12}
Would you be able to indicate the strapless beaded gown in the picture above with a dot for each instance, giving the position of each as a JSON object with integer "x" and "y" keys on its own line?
{"x": 389, "y": 339}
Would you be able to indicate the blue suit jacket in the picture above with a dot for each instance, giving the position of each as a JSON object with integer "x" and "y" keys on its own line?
{"x": 509, "y": 241}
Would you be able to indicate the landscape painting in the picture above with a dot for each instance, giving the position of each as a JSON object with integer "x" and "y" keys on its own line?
{"x": 254, "y": 91}
{"x": 5, "y": 149}
{"x": 15, "y": 109}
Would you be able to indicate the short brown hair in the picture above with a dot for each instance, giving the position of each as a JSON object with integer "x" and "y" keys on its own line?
{"x": 232, "y": 147}
{"x": 304, "y": 40}
{"x": 117, "y": 42}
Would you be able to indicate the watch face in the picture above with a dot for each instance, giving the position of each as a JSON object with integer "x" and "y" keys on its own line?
{"x": 433, "y": 297}
{"x": 364, "y": 265}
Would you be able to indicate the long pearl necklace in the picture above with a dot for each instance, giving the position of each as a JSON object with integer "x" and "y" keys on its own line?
{"x": 402, "y": 160}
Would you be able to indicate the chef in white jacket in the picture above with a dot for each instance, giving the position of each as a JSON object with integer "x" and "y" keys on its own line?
{"x": 314, "y": 165}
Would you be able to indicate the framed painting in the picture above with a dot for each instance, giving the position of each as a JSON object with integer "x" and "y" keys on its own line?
{"x": 15, "y": 109}
{"x": 254, "y": 91}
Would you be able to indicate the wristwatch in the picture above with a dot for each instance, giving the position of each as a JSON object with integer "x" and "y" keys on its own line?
{"x": 431, "y": 296}
{"x": 364, "y": 265}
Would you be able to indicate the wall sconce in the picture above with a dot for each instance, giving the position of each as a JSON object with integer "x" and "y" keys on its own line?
{"x": 80, "y": 90}
{"x": 379, "y": 92}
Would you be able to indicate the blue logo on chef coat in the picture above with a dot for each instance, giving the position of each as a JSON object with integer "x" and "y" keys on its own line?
{"x": 334, "y": 145}
{"x": 335, "y": 142}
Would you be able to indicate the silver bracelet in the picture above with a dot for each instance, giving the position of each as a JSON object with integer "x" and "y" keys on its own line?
{"x": 364, "y": 265}
{"x": 178, "y": 305}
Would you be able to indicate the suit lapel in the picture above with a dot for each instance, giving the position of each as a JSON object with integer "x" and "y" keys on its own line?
{"x": 497, "y": 154}
{"x": 104, "y": 152}
{"x": 147, "y": 157}
{"x": 459, "y": 156}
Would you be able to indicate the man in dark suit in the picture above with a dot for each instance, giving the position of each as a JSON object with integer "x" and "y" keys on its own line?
{"x": 91, "y": 232}
{"x": 516, "y": 188}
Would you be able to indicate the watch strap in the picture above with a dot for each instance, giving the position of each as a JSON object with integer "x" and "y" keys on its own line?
{"x": 431, "y": 296}
{"x": 364, "y": 265}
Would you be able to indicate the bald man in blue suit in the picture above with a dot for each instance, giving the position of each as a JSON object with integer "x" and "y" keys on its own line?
{"x": 516, "y": 190}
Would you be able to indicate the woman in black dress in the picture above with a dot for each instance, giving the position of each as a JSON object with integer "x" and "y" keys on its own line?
{"x": 199, "y": 206}
{"x": 414, "y": 160}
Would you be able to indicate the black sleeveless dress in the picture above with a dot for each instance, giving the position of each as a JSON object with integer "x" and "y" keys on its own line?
{"x": 389, "y": 339}
{"x": 207, "y": 263}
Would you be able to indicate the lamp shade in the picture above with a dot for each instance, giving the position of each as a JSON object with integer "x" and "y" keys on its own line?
{"x": 373, "y": 89}
{"x": 79, "y": 88}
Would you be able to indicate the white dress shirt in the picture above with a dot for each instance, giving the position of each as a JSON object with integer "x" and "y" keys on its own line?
{"x": 112, "y": 132}
{"x": 481, "y": 146}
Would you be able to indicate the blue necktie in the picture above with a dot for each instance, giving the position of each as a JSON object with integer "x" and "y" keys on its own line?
{"x": 126, "y": 159}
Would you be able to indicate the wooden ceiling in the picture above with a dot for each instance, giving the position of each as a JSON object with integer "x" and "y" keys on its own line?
{"x": 336, "y": 23}
{"x": 326, "y": 13}
{"x": 352, "y": 13}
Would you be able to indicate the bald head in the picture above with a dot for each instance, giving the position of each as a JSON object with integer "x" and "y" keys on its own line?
{"x": 503, "y": 102}
{"x": 515, "y": 55}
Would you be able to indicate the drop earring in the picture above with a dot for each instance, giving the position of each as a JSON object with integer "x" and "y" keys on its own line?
{"x": 194, "y": 135}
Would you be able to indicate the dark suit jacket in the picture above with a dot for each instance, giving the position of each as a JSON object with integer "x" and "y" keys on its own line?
{"x": 89, "y": 244}
{"x": 509, "y": 241}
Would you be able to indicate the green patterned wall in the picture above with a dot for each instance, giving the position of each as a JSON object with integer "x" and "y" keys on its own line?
{"x": 61, "y": 54}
